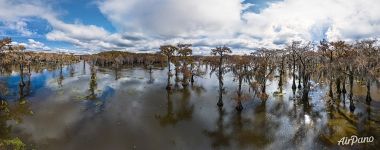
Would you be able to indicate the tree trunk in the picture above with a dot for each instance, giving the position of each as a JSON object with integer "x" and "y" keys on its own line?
{"x": 299, "y": 77}
{"x": 352, "y": 106}
{"x": 368, "y": 98}
{"x": 344, "y": 91}
{"x": 338, "y": 90}
{"x": 306, "y": 87}
{"x": 263, "y": 90}
{"x": 22, "y": 83}
{"x": 281, "y": 74}
{"x": 331, "y": 94}
{"x": 240, "y": 82}
{"x": 168, "y": 87}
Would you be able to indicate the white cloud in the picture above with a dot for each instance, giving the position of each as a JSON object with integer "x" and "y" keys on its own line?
{"x": 210, "y": 22}
{"x": 17, "y": 9}
{"x": 147, "y": 24}
{"x": 20, "y": 26}
{"x": 36, "y": 45}
{"x": 33, "y": 45}
{"x": 77, "y": 31}
{"x": 85, "y": 37}
{"x": 173, "y": 18}
{"x": 307, "y": 19}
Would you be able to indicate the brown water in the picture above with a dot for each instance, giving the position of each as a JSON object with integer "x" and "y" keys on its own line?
{"x": 131, "y": 109}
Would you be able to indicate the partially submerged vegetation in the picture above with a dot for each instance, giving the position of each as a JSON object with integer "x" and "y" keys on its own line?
{"x": 337, "y": 64}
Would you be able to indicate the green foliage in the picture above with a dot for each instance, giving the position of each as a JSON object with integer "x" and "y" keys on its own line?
{"x": 14, "y": 144}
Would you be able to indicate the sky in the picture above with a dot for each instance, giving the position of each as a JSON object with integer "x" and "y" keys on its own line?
{"x": 91, "y": 26}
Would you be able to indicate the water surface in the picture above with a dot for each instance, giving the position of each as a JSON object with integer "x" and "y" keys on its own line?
{"x": 83, "y": 107}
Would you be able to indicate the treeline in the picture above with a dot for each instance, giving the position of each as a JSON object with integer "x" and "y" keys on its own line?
{"x": 340, "y": 62}
{"x": 118, "y": 58}
{"x": 16, "y": 55}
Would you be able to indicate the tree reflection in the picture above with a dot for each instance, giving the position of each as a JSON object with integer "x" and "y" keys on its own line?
{"x": 185, "y": 108}
{"x": 256, "y": 133}
{"x": 183, "y": 112}
{"x": 60, "y": 78}
{"x": 8, "y": 113}
{"x": 221, "y": 90}
{"x": 5, "y": 128}
{"x": 84, "y": 67}
{"x": 169, "y": 117}
{"x": 92, "y": 84}
{"x": 151, "y": 78}
{"x": 14, "y": 112}
{"x": 3, "y": 89}
{"x": 117, "y": 73}
{"x": 219, "y": 137}
{"x": 72, "y": 70}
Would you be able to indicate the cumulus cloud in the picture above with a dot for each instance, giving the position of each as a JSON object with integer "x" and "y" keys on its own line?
{"x": 208, "y": 23}
{"x": 32, "y": 44}
{"x": 315, "y": 19}
{"x": 87, "y": 37}
{"x": 173, "y": 18}
{"x": 146, "y": 24}
{"x": 19, "y": 26}
{"x": 17, "y": 9}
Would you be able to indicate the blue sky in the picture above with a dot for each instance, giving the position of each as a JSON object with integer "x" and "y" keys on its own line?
{"x": 85, "y": 26}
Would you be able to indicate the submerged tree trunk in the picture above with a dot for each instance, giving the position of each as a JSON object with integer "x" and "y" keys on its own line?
{"x": 344, "y": 91}
{"x": 22, "y": 83}
{"x": 239, "y": 106}
{"x": 331, "y": 94}
{"x": 294, "y": 75}
{"x": 220, "y": 78}
{"x": 84, "y": 67}
{"x": 28, "y": 82}
{"x": 239, "y": 88}
{"x": 368, "y": 97}
{"x": 281, "y": 75}
{"x": 168, "y": 63}
{"x": 338, "y": 90}
{"x": 352, "y": 106}
{"x": 263, "y": 90}
{"x": 185, "y": 81}
{"x": 168, "y": 86}
{"x": 351, "y": 81}
{"x": 192, "y": 75}
{"x": 21, "y": 86}
{"x": 299, "y": 77}
{"x": 306, "y": 87}
{"x": 29, "y": 70}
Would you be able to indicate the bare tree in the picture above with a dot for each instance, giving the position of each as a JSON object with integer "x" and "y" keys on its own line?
{"x": 221, "y": 51}
{"x": 185, "y": 52}
{"x": 265, "y": 67}
{"x": 239, "y": 69}
{"x": 367, "y": 62}
{"x": 168, "y": 51}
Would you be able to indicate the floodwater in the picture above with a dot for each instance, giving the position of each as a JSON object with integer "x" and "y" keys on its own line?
{"x": 80, "y": 107}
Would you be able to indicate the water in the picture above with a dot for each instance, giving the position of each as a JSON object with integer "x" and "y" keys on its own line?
{"x": 99, "y": 108}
